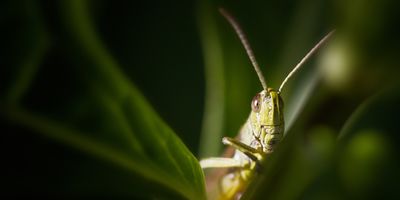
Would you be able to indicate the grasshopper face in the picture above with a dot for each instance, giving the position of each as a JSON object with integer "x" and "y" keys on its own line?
{"x": 266, "y": 119}
{"x": 260, "y": 134}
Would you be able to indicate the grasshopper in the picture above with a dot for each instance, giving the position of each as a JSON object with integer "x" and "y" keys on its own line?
{"x": 261, "y": 133}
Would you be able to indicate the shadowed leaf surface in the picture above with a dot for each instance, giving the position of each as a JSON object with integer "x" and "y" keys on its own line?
{"x": 90, "y": 131}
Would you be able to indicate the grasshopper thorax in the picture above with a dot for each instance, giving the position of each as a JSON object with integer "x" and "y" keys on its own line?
{"x": 266, "y": 119}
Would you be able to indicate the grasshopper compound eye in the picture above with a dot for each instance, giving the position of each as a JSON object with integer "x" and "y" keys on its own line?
{"x": 256, "y": 103}
{"x": 258, "y": 137}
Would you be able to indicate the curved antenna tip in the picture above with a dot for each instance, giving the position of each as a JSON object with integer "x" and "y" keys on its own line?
{"x": 308, "y": 55}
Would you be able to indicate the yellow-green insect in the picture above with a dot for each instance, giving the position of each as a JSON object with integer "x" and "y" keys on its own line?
{"x": 260, "y": 134}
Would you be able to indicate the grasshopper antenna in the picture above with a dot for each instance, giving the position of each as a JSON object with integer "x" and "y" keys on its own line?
{"x": 302, "y": 61}
{"x": 246, "y": 45}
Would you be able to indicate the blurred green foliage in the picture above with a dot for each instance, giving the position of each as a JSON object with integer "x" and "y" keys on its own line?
{"x": 77, "y": 126}
{"x": 85, "y": 88}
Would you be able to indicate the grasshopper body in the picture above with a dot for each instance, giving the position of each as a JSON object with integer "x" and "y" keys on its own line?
{"x": 260, "y": 134}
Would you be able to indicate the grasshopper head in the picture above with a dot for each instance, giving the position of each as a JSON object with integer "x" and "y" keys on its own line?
{"x": 267, "y": 118}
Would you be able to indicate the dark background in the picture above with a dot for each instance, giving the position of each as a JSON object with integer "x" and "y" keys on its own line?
{"x": 161, "y": 47}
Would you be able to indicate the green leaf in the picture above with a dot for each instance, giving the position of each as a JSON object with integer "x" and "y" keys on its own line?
{"x": 214, "y": 109}
{"x": 106, "y": 138}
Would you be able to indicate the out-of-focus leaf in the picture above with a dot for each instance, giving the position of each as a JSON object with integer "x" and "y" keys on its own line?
{"x": 320, "y": 167}
{"x": 376, "y": 113}
{"x": 89, "y": 106}
{"x": 214, "y": 109}
{"x": 368, "y": 145}
{"x": 294, "y": 166}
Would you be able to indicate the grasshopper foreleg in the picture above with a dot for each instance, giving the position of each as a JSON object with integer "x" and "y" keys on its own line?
{"x": 249, "y": 151}
{"x": 218, "y": 162}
